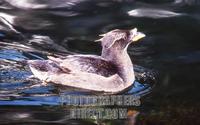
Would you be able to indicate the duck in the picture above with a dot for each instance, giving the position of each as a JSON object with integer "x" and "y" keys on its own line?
{"x": 110, "y": 72}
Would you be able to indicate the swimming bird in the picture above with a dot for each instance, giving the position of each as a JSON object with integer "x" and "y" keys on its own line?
{"x": 112, "y": 72}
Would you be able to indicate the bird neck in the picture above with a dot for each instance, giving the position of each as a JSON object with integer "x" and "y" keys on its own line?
{"x": 122, "y": 61}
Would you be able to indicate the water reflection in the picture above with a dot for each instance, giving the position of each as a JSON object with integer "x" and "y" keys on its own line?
{"x": 152, "y": 13}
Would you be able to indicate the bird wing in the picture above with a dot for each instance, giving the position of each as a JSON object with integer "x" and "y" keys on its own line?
{"x": 87, "y": 63}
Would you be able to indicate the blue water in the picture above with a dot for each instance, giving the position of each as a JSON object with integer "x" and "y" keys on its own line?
{"x": 19, "y": 89}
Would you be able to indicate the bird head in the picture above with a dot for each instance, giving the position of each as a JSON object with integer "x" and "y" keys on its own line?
{"x": 120, "y": 38}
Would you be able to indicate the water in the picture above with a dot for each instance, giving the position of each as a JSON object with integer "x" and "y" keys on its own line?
{"x": 169, "y": 56}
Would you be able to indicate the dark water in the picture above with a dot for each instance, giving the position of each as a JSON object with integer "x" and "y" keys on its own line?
{"x": 169, "y": 56}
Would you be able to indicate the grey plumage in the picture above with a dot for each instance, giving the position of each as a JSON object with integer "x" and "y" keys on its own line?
{"x": 111, "y": 72}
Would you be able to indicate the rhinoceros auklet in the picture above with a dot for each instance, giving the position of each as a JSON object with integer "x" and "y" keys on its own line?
{"x": 111, "y": 72}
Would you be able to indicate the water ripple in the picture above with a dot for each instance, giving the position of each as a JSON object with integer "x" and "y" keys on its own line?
{"x": 153, "y": 13}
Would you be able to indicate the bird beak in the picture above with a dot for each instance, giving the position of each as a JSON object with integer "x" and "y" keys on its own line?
{"x": 138, "y": 36}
